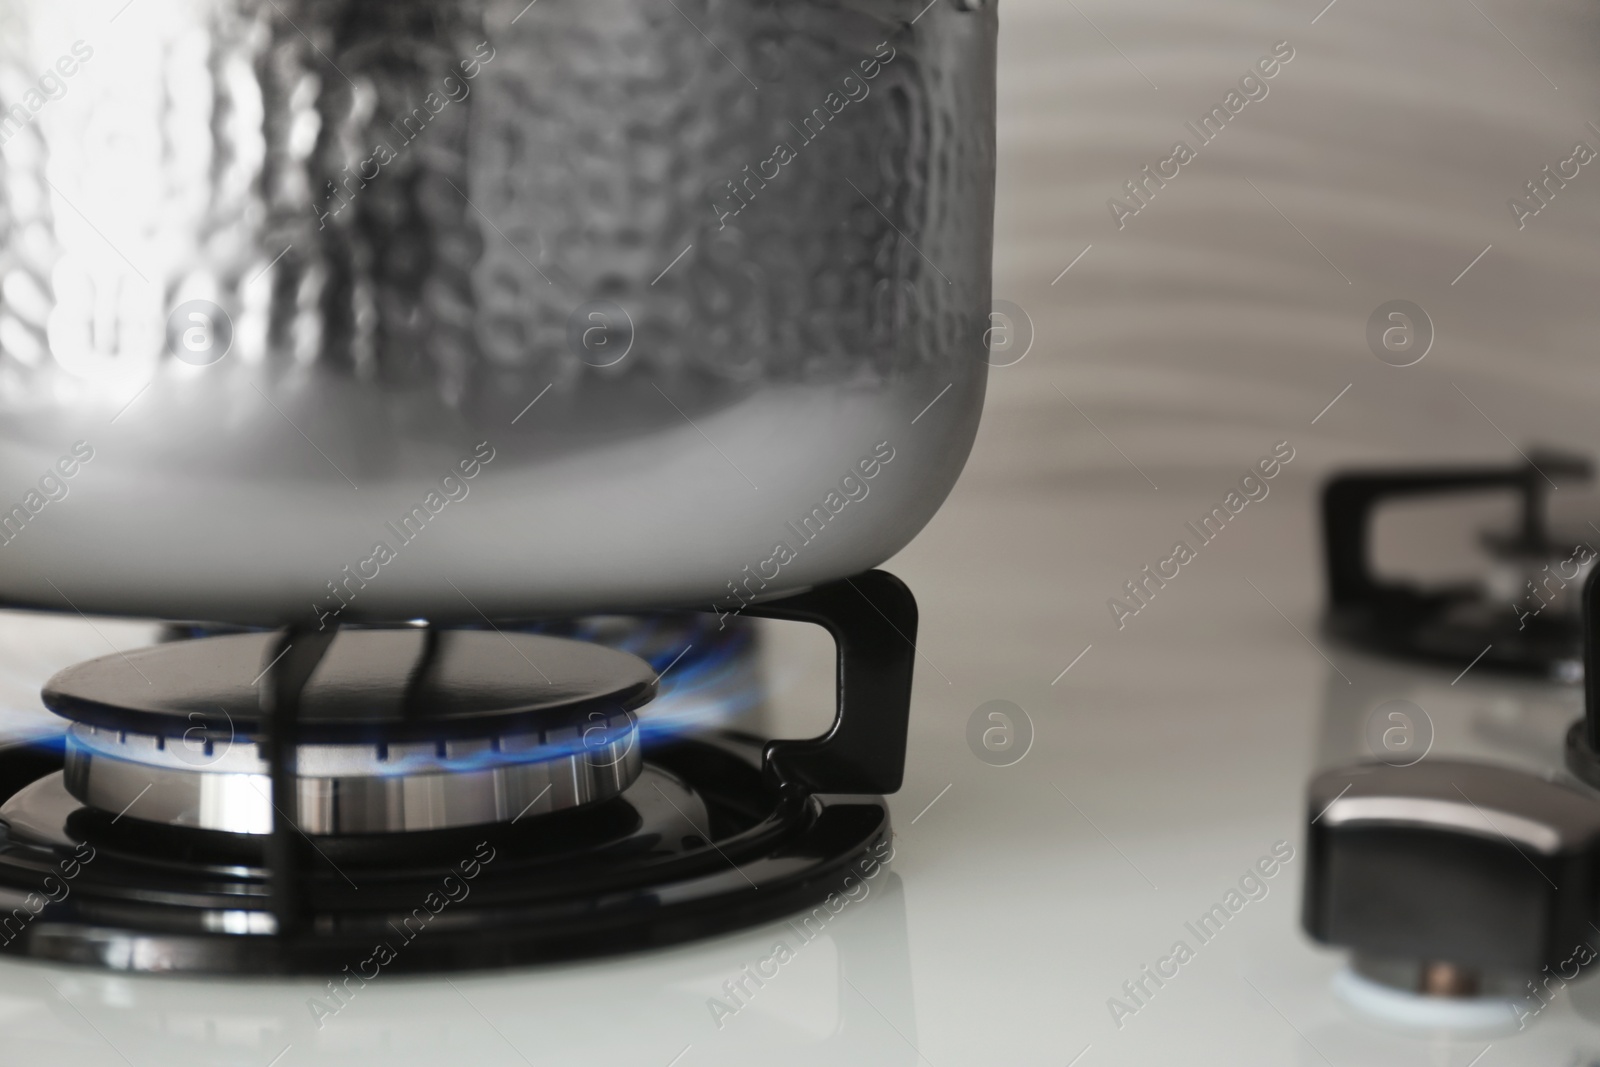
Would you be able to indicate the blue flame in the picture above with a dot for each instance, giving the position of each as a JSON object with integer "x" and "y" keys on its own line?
{"x": 708, "y": 673}
{"x": 55, "y": 742}
{"x": 706, "y": 676}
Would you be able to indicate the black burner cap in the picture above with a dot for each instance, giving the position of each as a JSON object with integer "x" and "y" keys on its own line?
{"x": 388, "y": 685}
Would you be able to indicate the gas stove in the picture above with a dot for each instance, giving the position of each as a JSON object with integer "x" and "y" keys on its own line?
{"x": 1064, "y": 871}
{"x": 1032, "y": 896}
{"x": 314, "y": 801}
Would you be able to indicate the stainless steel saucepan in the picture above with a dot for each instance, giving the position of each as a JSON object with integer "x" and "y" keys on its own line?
{"x": 364, "y": 311}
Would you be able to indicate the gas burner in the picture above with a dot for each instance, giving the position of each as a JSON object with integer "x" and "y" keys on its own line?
{"x": 1458, "y": 625}
{"x": 399, "y": 730}
{"x": 283, "y": 803}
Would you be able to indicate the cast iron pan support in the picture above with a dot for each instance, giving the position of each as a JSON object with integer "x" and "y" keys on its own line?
{"x": 296, "y": 655}
{"x": 871, "y": 617}
{"x": 873, "y": 620}
{"x": 1349, "y": 500}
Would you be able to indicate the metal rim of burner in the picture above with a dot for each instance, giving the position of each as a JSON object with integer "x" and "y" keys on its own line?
{"x": 356, "y": 789}
{"x": 784, "y": 824}
{"x": 1452, "y": 624}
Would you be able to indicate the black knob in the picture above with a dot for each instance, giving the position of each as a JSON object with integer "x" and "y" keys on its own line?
{"x": 1457, "y": 867}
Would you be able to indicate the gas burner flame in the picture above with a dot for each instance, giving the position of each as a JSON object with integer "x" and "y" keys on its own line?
{"x": 707, "y": 675}
{"x": 705, "y": 689}
{"x": 54, "y": 743}
{"x": 706, "y": 678}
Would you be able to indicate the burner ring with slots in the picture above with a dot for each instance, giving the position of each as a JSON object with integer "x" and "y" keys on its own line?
{"x": 186, "y": 748}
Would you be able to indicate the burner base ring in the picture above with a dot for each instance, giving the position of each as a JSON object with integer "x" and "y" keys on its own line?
{"x": 237, "y": 801}
{"x": 773, "y": 852}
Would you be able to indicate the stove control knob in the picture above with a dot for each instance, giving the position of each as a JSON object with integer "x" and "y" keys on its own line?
{"x": 1459, "y": 868}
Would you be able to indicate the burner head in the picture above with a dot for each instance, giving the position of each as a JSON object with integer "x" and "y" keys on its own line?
{"x": 398, "y": 730}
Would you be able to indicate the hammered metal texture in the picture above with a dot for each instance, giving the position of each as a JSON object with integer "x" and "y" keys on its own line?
{"x": 399, "y": 207}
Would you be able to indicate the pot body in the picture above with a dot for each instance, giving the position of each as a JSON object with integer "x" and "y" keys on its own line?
{"x": 339, "y": 309}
